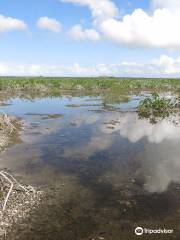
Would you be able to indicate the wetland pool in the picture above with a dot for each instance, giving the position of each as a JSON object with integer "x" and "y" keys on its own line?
{"x": 104, "y": 170}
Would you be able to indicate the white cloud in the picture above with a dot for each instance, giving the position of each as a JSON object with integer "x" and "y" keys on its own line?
{"x": 78, "y": 33}
{"x": 161, "y": 29}
{"x": 163, "y": 66}
{"x": 167, "y": 65}
{"x": 101, "y": 9}
{"x": 55, "y": 70}
{"x": 169, "y": 4}
{"x": 158, "y": 28}
{"x": 10, "y": 24}
{"x": 49, "y": 24}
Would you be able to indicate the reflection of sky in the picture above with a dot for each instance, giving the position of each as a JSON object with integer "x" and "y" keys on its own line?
{"x": 95, "y": 144}
{"x": 160, "y": 162}
{"x": 133, "y": 128}
{"x": 48, "y": 105}
{"x": 161, "y": 165}
{"x": 89, "y": 132}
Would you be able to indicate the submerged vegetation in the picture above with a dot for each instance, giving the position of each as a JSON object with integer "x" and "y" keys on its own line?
{"x": 155, "y": 107}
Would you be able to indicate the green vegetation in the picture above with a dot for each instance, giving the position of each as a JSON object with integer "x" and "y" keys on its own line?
{"x": 95, "y": 84}
{"x": 155, "y": 107}
{"x": 112, "y": 90}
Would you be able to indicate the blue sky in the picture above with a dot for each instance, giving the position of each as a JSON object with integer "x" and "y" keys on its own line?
{"x": 80, "y": 37}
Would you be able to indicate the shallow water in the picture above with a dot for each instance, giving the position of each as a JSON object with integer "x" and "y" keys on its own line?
{"x": 105, "y": 171}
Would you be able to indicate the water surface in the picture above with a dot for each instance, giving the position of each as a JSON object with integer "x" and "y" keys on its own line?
{"x": 105, "y": 171}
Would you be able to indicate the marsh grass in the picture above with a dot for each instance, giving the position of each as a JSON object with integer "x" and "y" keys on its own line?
{"x": 156, "y": 107}
{"x": 112, "y": 90}
{"x": 95, "y": 84}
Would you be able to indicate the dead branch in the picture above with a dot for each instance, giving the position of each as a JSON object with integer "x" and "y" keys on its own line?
{"x": 11, "y": 180}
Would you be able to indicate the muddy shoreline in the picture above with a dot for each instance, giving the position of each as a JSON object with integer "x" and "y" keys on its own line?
{"x": 19, "y": 203}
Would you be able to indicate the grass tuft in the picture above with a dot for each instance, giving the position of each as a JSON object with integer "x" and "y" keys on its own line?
{"x": 155, "y": 107}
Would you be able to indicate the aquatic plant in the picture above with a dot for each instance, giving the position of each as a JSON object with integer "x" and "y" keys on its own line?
{"x": 156, "y": 107}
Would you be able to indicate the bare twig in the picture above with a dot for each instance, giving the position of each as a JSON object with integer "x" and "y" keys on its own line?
{"x": 10, "y": 189}
{"x": 11, "y": 180}
{"x": 21, "y": 186}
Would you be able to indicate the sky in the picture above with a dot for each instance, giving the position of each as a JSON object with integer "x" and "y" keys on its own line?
{"x": 132, "y": 38}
